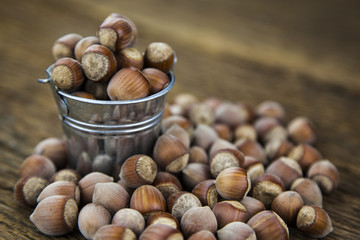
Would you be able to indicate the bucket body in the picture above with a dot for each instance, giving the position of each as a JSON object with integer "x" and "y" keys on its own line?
{"x": 100, "y": 134}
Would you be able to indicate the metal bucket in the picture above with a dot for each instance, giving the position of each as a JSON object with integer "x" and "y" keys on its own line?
{"x": 100, "y": 134}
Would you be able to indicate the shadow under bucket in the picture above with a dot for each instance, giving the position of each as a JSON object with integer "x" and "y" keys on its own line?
{"x": 100, "y": 134}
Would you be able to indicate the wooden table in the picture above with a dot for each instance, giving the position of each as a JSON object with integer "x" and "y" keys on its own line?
{"x": 301, "y": 54}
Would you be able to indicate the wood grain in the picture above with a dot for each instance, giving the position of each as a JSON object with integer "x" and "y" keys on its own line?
{"x": 303, "y": 54}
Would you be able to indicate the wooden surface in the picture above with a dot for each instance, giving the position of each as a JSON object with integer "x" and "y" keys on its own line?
{"x": 304, "y": 54}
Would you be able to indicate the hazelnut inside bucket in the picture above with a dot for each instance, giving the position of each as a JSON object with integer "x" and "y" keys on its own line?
{"x": 101, "y": 134}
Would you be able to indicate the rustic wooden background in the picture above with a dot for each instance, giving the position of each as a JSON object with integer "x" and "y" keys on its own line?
{"x": 304, "y": 54}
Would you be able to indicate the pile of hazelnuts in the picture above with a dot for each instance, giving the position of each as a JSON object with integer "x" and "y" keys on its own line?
{"x": 108, "y": 66}
{"x": 218, "y": 170}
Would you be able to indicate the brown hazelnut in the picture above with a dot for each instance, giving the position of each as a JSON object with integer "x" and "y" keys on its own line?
{"x": 65, "y": 188}
{"x": 287, "y": 205}
{"x": 163, "y": 218}
{"x": 236, "y": 231}
{"x": 54, "y": 149}
{"x": 220, "y": 144}
{"x": 197, "y": 219}
{"x": 159, "y": 55}
{"x": 132, "y": 24}
{"x": 325, "y": 174}
{"x": 129, "y": 57}
{"x": 266, "y": 187}
{"x": 157, "y": 78}
{"x": 202, "y": 235}
{"x": 287, "y": 169}
{"x": 27, "y": 189}
{"x": 246, "y": 131}
{"x": 116, "y": 34}
{"x": 301, "y": 130}
{"x": 201, "y": 113}
{"x": 180, "y": 202}
{"x": 180, "y": 133}
{"x": 64, "y": 46}
{"x": 193, "y": 174}
{"x": 270, "y": 108}
{"x": 253, "y": 167}
{"x": 87, "y": 185}
{"x": 66, "y": 174}
{"x": 55, "y": 215}
{"x": 147, "y": 200}
{"x": 130, "y": 218}
{"x": 252, "y": 206}
{"x": 229, "y": 211}
{"x": 230, "y": 114}
{"x": 170, "y": 154}
{"x": 305, "y": 155}
{"x": 37, "y": 165}
{"x": 225, "y": 158}
{"x": 204, "y": 136}
{"x": 268, "y": 223}
{"x": 160, "y": 232}
{"x": 138, "y": 170}
{"x": 113, "y": 232}
{"x": 83, "y": 44}
{"x": 180, "y": 120}
{"x": 97, "y": 89}
{"x": 278, "y": 148}
{"x": 263, "y": 125}
{"x": 309, "y": 190}
{"x": 103, "y": 163}
{"x": 91, "y": 218}
{"x": 167, "y": 184}
{"x": 223, "y": 131}
{"x": 67, "y": 74}
{"x": 98, "y": 63}
{"x": 314, "y": 222}
{"x": 206, "y": 192}
{"x": 198, "y": 154}
{"x": 233, "y": 183}
{"x": 128, "y": 84}
{"x": 252, "y": 148}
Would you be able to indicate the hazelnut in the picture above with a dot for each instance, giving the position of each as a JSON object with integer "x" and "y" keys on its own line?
{"x": 287, "y": 169}
{"x": 230, "y": 114}
{"x": 229, "y": 211}
{"x": 91, "y": 218}
{"x": 246, "y": 131}
{"x": 201, "y": 113}
{"x": 27, "y": 189}
{"x": 253, "y": 167}
{"x": 220, "y": 144}
{"x": 83, "y": 44}
{"x": 263, "y": 125}
{"x": 54, "y": 149}
{"x": 197, "y": 219}
{"x": 278, "y": 148}
{"x": 130, "y": 218}
{"x": 270, "y": 108}
{"x": 37, "y": 165}
{"x": 180, "y": 202}
{"x": 132, "y": 24}
{"x": 225, "y": 158}
{"x": 202, "y": 235}
{"x": 309, "y": 190}
{"x": 301, "y": 130}
{"x": 87, "y": 185}
{"x": 185, "y": 101}
{"x": 223, "y": 131}
{"x": 67, "y": 74}
{"x": 97, "y": 89}
{"x": 167, "y": 184}
{"x": 55, "y": 215}
{"x": 266, "y": 187}
{"x": 170, "y": 154}
{"x": 198, "y": 154}
{"x": 110, "y": 195}
{"x": 159, "y": 55}
{"x": 163, "y": 218}
{"x": 252, "y": 206}
{"x": 252, "y": 148}
{"x": 129, "y": 57}
{"x": 305, "y": 155}
{"x": 287, "y": 205}
{"x": 103, "y": 163}
{"x": 160, "y": 232}
{"x": 98, "y": 63}
{"x": 278, "y": 132}
{"x": 180, "y": 120}
{"x": 128, "y": 84}
{"x": 157, "y": 78}
{"x": 114, "y": 232}
{"x": 180, "y": 133}
{"x": 138, "y": 170}
{"x": 314, "y": 222}
{"x": 206, "y": 192}
{"x": 233, "y": 183}
{"x": 268, "y": 223}
{"x": 64, "y": 46}
{"x": 194, "y": 173}
{"x": 83, "y": 165}
{"x": 236, "y": 231}
{"x": 147, "y": 200}
{"x": 325, "y": 174}
{"x": 65, "y": 188}
{"x": 116, "y": 34}
{"x": 67, "y": 174}
{"x": 204, "y": 136}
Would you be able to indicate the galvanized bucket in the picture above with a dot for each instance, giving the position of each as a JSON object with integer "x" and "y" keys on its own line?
{"x": 100, "y": 134}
